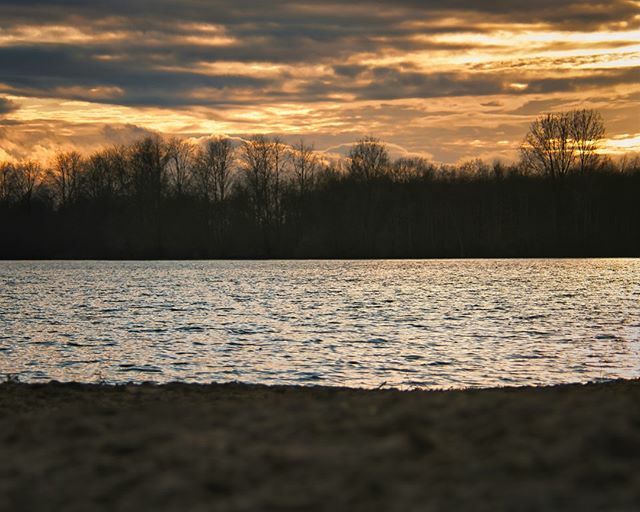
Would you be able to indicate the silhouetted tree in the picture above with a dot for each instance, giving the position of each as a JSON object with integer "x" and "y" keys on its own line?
{"x": 17, "y": 181}
{"x": 148, "y": 162}
{"x": 556, "y": 141}
{"x": 475, "y": 168}
{"x": 280, "y": 158}
{"x": 66, "y": 176}
{"x": 6, "y": 182}
{"x": 587, "y": 132}
{"x": 408, "y": 169}
{"x": 213, "y": 169}
{"x": 304, "y": 161}
{"x": 122, "y": 202}
{"x": 101, "y": 176}
{"x": 28, "y": 173}
{"x": 629, "y": 163}
{"x": 261, "y": 175}
{"x": 180, "y": 156}
{"x": 368, "y": 159}
{"x": 548, "y": 148}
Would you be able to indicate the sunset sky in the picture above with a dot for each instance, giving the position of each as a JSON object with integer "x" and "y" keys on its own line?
{"x": 445, "y": 79}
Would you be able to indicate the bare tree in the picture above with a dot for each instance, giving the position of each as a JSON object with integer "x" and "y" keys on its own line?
{"x": 66, "y": 176}
{"x": 305, "y": 164}
{"x": 7, "y": 177}
{"x": 257, "y": 164}
{"x": 474, "y": 168}
{"x": 107, "y": 173}
{"x": 28, "y": 174}
{"x": 368, "y": 159}
{"x": 180, "y": 159}
{"x": 280, "y": 157}
{"x": 629, "y": 162}
{"x": 404, "y": 170}
{"x": 587, "y": 132}
{"x": 264, "y": 162}
{"x": 148, "y": 162}
{"x": 213, "y": 169}
{"x": 548, "y": 148}
{"x": 117, "y": 161}
{"x": 99, "y": 178}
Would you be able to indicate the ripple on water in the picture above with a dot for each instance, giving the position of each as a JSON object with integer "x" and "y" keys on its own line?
{"x": 139, "y": 368}
{"x": 149, "y": 330}
{"x": 606, "y": 337}
{"x": 358, "y": 323}
{"x": 191, "y": 328}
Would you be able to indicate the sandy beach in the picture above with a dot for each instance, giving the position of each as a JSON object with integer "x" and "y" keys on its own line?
{"x": 237, "y": 447}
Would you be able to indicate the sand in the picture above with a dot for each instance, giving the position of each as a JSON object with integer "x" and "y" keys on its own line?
{"x": 236, "y": 447}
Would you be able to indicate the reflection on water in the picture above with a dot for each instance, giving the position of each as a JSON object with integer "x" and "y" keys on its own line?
{"x": 361, "y": 323}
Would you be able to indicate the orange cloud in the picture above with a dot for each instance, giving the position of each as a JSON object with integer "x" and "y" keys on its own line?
{"x": 449, "y": 81}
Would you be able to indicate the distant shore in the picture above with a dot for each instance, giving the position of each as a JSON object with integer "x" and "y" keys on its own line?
{"x": 241, "y": 447}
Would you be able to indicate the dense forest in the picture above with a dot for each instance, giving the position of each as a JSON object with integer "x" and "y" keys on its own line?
{"x": 261, "y": 198}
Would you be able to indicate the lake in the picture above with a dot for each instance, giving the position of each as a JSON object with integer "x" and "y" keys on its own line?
{"x": 427, "y": 324}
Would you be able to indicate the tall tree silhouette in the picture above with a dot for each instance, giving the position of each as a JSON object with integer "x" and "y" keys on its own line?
{"x": 587, "y": 132}
{"x": 213, "y": 169}
{"x": 555, "y": 142}
{"x": 180, "y": 156}
{"x": 305, "y": 165}
{"x": 168, "y": 198}
{"x": 368, "y": 159}
{"x": 67, "y": 176}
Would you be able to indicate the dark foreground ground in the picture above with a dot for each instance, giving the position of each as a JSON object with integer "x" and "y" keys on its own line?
{"x": 234, "y": 447}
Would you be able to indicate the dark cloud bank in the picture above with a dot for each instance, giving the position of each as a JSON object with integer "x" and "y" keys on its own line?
{"x": 143, "y": 65}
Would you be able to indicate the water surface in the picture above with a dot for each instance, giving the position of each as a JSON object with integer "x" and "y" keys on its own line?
{"x": 431, "y": 324}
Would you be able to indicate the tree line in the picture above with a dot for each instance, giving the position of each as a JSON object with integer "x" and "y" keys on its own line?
{"x": 262, "y": 198}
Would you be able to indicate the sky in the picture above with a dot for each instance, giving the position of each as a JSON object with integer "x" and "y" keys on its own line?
{"x": 449, "y": 80}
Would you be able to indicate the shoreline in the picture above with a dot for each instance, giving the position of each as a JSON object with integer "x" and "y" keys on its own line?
{"x": 69, "y": 446}
{"x": 348, "y": 259}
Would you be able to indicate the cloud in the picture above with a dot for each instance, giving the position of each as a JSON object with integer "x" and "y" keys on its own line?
{"x": 423, "y": 74}
{"x": 535, "y": 107}
{"x": 395, "y": 151}
{"x": 162, "y": 52}
{"x": 565, "y": 12}
{"x": 577, "y": 83}
{"x": 72, "y": 73}
{"x": 40, "y": 140}
{"x": 6, "y": 106}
